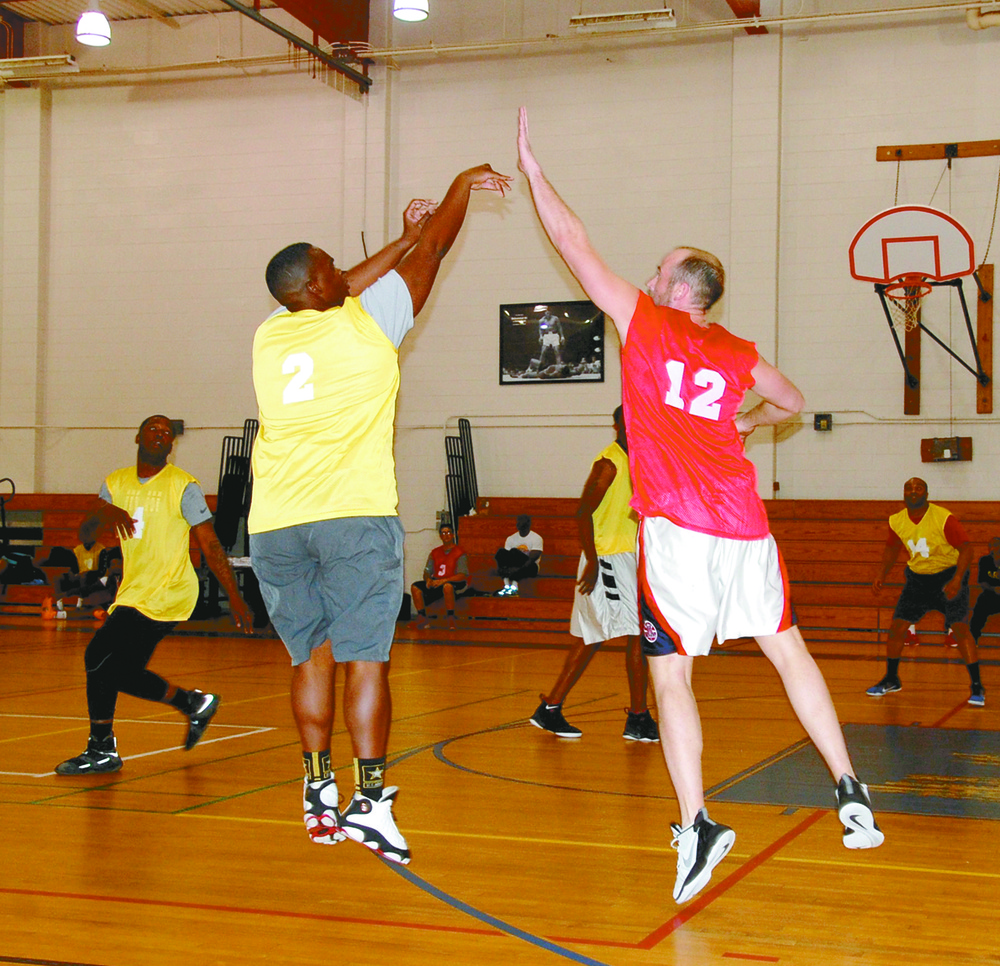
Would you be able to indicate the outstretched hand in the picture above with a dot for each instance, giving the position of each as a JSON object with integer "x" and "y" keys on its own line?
{"x": 416, "y": 215}
{"x": 525, "y": 156}
{"x": 484, "y": 178}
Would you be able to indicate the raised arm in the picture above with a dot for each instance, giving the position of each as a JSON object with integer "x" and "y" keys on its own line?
{"x": 780, "y": 400}
{"x": 420, "y": 267}
{"x": 609, "y": 292}
{"x": 372, "y": 269}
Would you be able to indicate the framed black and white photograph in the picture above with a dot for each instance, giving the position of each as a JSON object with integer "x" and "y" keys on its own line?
{"x": 551, "y": 342}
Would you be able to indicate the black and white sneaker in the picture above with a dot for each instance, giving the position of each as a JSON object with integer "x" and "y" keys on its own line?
{"x": 100, "y": 756}
{"x": 700, "y": 848}
{"x": 854, "y": 808}
{"x": 371, "y": 823}
{"x": 640, "y": 727}
{"x": 320, "y": 801}
{"x": 205, "y": 706}
{"x": 551, "y": 719}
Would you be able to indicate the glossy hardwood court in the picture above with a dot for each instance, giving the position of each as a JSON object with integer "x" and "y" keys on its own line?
{"x": 527, "y": 849}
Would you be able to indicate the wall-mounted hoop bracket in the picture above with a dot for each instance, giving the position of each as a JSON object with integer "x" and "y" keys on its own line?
{"x": 884, "y": 293}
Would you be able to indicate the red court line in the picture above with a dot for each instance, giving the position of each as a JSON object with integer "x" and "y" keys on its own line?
{"x": 658, "y": 935}
{"x": 756, "y": 959}
{"x": 649, "y": 942}
{"x": 951, "y": 714}
{"x": 246, "y": 911}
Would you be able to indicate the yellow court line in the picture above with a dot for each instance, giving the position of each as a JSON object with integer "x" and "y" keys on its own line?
{"x": 616, "y": 846}
{"x": 888, "y": 867}
{"x": 624, "y": 847}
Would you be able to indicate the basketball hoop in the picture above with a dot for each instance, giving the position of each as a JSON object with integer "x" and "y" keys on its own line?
{"x": 905, "y": 296}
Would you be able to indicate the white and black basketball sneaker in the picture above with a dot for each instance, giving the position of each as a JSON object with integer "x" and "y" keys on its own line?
{"x": 854, "y": 808}
{"x": 205, "y": 706}
{"x": 320, "y": 801}
{"x": 700, "y": 848}
{"x": 100, "y": 756}
{"x": 371, "y": 823}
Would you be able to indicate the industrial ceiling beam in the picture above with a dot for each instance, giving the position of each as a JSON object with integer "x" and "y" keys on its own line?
{"x": 333, "y": 63}
{"x": 745, "y": 9}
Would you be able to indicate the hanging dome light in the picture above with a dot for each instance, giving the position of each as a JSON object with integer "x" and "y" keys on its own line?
{"x": 412, "y": 10}
{"x": 93, "y": 28}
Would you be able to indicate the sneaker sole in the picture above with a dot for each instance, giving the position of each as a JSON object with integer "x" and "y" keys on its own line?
{"x": 860, "y": 830}
{"x": 977, "y": 702}
{"x": 882, "y": 694}
{"x": 640, "y": 738}
{"x": 99, "y": 770}
{"x": 719, "y": 850}
{"x": 558, "y": 734}
{"x": 361, "y": 836}
{"x": 324, "y": 835}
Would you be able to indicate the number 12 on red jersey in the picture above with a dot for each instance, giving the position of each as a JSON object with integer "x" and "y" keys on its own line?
{"x": 705, "y": 404}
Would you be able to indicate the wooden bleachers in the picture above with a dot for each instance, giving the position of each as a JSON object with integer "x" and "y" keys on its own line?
{"x": 831, "y": 550}
{"x": 59, "y": 516}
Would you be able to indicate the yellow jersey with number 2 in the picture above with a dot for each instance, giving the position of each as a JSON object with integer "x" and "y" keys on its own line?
{"x": 326, "y": 386}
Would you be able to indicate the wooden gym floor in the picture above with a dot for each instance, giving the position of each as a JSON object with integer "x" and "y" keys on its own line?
{"x": 526, "y": 849}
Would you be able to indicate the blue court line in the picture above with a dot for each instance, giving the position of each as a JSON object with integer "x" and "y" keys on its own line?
{"x": 485, "y": 917}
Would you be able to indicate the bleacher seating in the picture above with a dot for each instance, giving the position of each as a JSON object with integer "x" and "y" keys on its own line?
{"x": 831, "y": 550}
{"x": 58, "y": 516}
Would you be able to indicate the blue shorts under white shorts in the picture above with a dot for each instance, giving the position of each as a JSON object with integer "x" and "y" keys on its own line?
{"x": 339, "y": 580}
{"x": 694, "y": 587}
{"x": 611, "y": 609}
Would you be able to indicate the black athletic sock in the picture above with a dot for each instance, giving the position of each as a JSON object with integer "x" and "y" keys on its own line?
{"x": 892, "y": 668}
{"x": 973, "y": 670}
{"x": 316, "y": 765}
{"x": 101, "y": 730}
{"x": 369, "y": 776}
{"x": 422, "y": 612}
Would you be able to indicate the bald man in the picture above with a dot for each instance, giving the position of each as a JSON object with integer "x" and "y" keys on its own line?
{"x": 937, "y": 578}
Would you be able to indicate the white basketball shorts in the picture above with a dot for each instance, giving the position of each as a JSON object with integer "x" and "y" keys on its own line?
{"x": 694, "y": 587}
{"x": 612, "y": 609}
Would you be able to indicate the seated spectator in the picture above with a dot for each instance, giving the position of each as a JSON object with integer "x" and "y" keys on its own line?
{"x": 446, "y": 576}
{"x": 519, "y": 557}
{"x": 99, "y": 569}
{"x": 988, "y": 603}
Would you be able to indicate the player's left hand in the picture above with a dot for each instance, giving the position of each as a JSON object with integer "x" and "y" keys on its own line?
{"x": 241, "y": 615}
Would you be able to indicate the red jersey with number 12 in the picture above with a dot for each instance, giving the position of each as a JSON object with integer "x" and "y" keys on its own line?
{"x": 682, "y": 386}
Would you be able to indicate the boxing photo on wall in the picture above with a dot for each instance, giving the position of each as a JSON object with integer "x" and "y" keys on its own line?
{"x": 551, "y": 342}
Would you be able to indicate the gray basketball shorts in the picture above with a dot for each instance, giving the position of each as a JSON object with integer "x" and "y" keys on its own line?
{"x": 339, "y": 580}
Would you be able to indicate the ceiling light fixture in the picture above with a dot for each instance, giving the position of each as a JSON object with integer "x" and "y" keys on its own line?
{"x": 411, "y": 10}
{"x": 93, "y": 28}
{"x": 631, "y": 20}
{"x": 35, "y": 68}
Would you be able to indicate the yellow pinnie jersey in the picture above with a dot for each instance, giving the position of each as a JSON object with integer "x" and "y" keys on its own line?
{"x": 929, "y": 550}
{"x": 159, "y": 579}
{"x": 326, "y": 386}
{"x": 615, "y": 522}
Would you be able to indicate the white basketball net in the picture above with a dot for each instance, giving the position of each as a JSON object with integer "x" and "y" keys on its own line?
{"x": 905, "y": 299}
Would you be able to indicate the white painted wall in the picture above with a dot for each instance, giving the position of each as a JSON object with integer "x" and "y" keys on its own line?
{"x": 137, "y": 219}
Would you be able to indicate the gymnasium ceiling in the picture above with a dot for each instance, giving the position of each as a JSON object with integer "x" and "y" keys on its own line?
{"x": 340, "y": 20}
{"x": 470, "y": 27}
